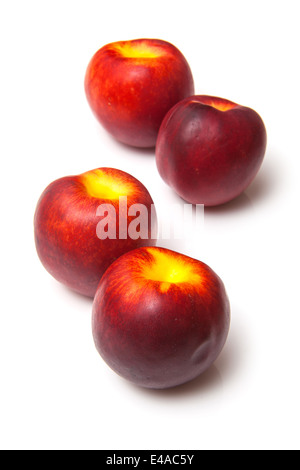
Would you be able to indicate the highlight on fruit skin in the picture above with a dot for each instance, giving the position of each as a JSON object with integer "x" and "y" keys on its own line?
{"x": 81, "y": 225}
{"x": 160, "y": 318}
{"x": 130, "y": 86}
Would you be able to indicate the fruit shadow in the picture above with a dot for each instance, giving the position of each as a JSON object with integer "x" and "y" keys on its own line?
{"x": 147, "y": 151}
{"x": 262, "y": 188}
{"x": 72, "y": 295}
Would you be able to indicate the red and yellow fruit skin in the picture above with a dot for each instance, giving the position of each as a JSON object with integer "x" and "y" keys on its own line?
{"x": 154, "y": 335}
{"x": 65, "y": 224}
{"x": 131, "y": 95}
{"x": 210, "y": 149}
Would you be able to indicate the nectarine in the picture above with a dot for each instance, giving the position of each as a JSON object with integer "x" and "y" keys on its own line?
{"x": 210, "y": 149}
{"x": 130, "y": 85}
{"x": 160, "y": 318}
{"x": 79, "y": 225}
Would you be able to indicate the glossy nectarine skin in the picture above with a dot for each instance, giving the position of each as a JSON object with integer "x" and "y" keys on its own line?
{"x": 65, "y": 226}
{"x": 210, "y": 149}
{"x": 160, "y": 318}
{"x": 130, "y": 85}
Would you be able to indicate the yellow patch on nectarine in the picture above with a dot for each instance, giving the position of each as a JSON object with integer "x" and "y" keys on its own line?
{"x": 138, "y": 50}
{"x": 223, "y": 106}
{"x": 168, "y": 269}
{"x": 103, "y": 184}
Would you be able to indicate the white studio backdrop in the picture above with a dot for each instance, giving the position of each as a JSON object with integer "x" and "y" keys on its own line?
{"x": 55, "y": 391}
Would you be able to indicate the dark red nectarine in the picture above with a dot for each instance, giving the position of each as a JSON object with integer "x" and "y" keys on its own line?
{"x": 210, "y": 149}
{"x": 160, "y": 318}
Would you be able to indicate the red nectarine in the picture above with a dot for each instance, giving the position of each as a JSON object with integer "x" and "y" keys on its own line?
{"x": 79, "y": 225}
{"x": 210, "y": 149}
{"x": 160, "y": 318}
{"x": 130, "y": 85}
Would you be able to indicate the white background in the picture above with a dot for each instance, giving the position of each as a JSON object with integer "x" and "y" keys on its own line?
{"x": 56, "y": 392}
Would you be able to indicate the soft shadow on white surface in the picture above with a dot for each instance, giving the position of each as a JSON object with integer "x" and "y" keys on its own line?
{"x": 125, "y": 148}
{"x": 71, "y": 295}
{"x": 239, "y": 204}
{"x": 268, "y": 181}
{"x": 143, "y": 152}
{"x": 263, "y": 187}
